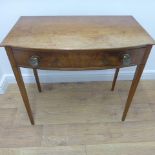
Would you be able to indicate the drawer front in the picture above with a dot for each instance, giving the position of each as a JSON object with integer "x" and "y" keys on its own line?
{"x": 71, "y": 60}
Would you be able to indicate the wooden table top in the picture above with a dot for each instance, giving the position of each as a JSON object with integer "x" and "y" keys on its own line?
{"x": 77, "y": 32}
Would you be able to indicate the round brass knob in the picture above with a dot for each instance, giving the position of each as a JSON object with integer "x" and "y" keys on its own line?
{"x": 34, "y": 61}
{"x": 126, "y": 60}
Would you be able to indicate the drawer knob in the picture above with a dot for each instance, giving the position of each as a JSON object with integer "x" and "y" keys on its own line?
{"x": 126, "y": 60}
{"x": 34, "y": 61}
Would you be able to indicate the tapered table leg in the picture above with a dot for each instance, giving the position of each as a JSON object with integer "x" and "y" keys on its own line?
{"x": 132, "y": 90}
{"x": 115, "y": 78}
{"x": 135, "y": 81}
{"x": 37, "y": 79}
{"x": 20, "y": 83}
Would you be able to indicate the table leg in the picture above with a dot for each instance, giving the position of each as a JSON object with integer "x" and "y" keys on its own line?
{"x": 37, "y": 79}
{"x": 20, "y": 83}
{"x": 115, "y": 78}
{"x": 137, "y": 76}
{"x": 132, "y": 90}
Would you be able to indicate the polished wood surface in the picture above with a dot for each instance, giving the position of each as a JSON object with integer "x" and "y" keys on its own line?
{"x": 77, "y": 43}
{"x": 20, "y": 83}
{"x": 80, "y": 60}
{"x": 37, "y": 79}
{"x": 137, "y": 76}
{"x": 77, "y": 32}
{"x": 115, "y": 78}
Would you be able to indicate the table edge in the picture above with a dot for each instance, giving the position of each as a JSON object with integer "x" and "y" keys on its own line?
{"x": 92, "y": 49}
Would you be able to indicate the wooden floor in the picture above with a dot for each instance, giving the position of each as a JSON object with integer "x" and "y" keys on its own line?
{"x": 78, "y": 119}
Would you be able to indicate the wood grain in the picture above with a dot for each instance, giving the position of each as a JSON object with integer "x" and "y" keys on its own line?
{"x": 37, "y": 79}
{"x": 18, "y": 136}
{"x": 20, "y": 83}
{"x": 80, "y": 60}
{"x": 77, "y": 32}
{"x": 115, "y": 78}
{"x": 77, "y": 43}
{"x": 108, "y": 149}
{"x": 84, "y": 114}
{"x": 137, "y": 76}
{"x": 121, "y": 149}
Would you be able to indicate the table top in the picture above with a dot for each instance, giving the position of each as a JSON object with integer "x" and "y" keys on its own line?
{"x": 77, "y": 33}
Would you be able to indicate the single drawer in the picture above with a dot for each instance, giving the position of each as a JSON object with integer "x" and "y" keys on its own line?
{"x": 72, "y": 60}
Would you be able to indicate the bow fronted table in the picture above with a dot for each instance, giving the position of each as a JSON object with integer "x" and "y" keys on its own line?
{"x": 77, "y": 43}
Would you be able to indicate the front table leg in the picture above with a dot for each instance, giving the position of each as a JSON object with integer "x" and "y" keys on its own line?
{"x": 138, "y": 73}
{"x": 135, "y": 81}
{"x": 20, "y": 83}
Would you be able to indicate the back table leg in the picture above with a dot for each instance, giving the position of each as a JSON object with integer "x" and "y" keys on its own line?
{"x": 37, "y": 79}
{"x": 115, "y": 78}
{"x": 20, "y": 83}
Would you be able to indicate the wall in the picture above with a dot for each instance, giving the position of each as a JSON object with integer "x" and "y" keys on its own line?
{"x": 1, "y": 87}
{"x": 11, "y": 10}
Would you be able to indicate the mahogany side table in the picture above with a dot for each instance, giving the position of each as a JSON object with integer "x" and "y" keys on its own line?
{"x": 77, "y": 43}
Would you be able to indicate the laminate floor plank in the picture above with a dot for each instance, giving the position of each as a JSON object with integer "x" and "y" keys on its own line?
{"x": 122, "y": 149}
{"x": 20, "y": 136}
{"x": 79, "y": 117}
{"x": 98, "y": 133}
